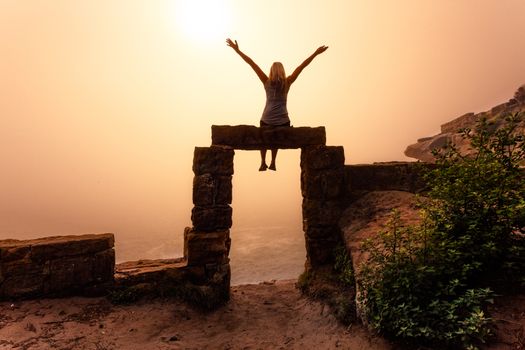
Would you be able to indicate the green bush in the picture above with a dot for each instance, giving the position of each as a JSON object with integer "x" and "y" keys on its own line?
{"x": 430, "y": 283}
{"x": 343, "y": 266}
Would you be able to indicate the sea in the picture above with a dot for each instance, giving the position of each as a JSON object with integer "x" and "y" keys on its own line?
{"x": 257, "y": 253}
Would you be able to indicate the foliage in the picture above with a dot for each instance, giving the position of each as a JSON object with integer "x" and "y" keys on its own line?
{"x": 430, "y": 283}
{"x": 333, "y": 286}
{"x": 343, "y": 266}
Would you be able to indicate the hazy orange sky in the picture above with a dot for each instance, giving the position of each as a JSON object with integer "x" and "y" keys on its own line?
{"x": 103, "y": 101}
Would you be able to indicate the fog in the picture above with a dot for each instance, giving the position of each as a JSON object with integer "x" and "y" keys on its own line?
{"x": 103, "y": 102}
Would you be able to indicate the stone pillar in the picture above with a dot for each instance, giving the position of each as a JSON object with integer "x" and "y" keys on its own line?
{"x": 323, "y": 189}
{"x": 207, "y": 243}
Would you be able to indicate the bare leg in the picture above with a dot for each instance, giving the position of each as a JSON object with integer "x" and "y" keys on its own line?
{"x": 274, "y": 155}
{"x": 263, "y": 166}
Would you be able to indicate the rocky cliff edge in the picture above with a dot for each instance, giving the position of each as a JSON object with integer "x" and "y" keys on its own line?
{"x": 422, "y": 149}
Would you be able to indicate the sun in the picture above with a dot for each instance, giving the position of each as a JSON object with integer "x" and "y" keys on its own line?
{"x": 203, "y": 20}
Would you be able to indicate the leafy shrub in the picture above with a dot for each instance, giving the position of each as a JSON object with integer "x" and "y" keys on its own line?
{"x": 429, "y": 283}
{"x": 343, "y": 266}
{"x": 333, "y": 285}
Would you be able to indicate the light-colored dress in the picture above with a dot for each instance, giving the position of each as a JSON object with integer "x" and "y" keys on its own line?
{"x": 275, "y": 111}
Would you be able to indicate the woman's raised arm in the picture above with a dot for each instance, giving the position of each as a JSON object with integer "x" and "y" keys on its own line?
{"x": 306, "y": 62}
{"x": 256, "y": 68}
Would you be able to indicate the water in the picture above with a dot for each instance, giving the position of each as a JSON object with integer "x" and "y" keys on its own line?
{"x": 265, "y": 253}
{"x": 257, "y": 253}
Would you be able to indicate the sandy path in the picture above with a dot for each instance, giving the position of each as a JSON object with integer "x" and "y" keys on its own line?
{"x": 264, "y": 316}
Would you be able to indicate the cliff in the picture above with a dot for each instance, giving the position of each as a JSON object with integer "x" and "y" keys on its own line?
{"x": 422, "y": 149}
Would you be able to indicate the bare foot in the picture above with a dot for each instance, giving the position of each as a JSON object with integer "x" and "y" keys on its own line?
{"x": 272, "y": 167}
{"x": 263, "y": 167}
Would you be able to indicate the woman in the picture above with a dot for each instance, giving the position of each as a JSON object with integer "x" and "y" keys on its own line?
{"x": 276, "y": 85}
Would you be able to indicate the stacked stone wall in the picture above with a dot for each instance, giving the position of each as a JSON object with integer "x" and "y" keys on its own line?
{"x": 323, "y": 190}
{"x": 394, "y": 176}
{"x": 56, "y": 266}
{"x": 207, "y": 242}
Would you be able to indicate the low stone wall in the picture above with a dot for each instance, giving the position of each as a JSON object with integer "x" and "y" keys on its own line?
{"x": 393, "y": 176}
{"x": 56, "y": 266}
{"x": 204, "y": 285}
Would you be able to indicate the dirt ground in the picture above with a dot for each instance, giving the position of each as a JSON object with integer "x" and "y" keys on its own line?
{"x": 270, "y": 315}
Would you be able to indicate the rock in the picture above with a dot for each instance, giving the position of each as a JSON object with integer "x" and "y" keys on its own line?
{"x": 321, "y": 213}
{"x": 104, "y": 266}
{"x": 212, "y": 218}
{"x": 394, "y": 176}
{"x": 320, "y": 251}
{"x": 54, "y": 247}
{"x": 247, "y": 137}
{"x": 202, "y": 248}
{"x": 322, "y": 157}
{"x": 209, "y": 190}
{"x": 459, "y": 123}
{"x": 422, "y": 149}
{"x": 70, "y": 273}
{"x": 214, "y": 160}
{"x": 520, "y": 94}
{"x": 22, "y": 286}
{"x": 150, "y": 272}
{"x": 323, "y": 185}
{"x": 322, "y": 232}
{"x": 56, "y": 266}
{"x": 14, "y": 252}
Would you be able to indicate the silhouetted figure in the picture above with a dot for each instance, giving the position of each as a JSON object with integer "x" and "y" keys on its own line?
{"x": 276, "y": 85}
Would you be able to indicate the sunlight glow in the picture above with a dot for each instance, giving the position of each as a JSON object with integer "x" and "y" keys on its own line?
{"x": 203, "y": 20}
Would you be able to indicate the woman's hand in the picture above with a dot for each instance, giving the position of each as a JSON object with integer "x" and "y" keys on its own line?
{"x": 232, "y": 44}
{"x": 321, "y": 49}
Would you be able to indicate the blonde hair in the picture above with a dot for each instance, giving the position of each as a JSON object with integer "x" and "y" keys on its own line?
{"x": 277, "y": 74}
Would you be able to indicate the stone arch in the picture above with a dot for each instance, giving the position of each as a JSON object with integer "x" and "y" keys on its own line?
{"x": 207, "y": 243}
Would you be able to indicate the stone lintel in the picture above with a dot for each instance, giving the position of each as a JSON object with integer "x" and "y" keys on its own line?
{"x": 249, "y": 137}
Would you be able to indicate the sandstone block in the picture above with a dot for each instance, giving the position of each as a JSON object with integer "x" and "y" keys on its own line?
{"x": 248, "y": 137}
{"x": 209, "y": 190}
{"x": 202, "y": 248}
{"x": 104, "y": 266}
{"x": 219, "y": 274}
{"x": 24, "y": 266}
{"x": 197, "y": 274}
{"x": 396, "y": 176}
{"x": 322, "y": 157}
{"x": 14, "y": 251}
{"x": 320, "y": 251}
{"x": 321, "y": 213}
{"x": 61, "y": 246}
{"x": 322, "y": 232}
{"x": 24, "y": 285}
{"x": 56, "y": 266}
{"x": 69, "y": 274}
{"x": 214, "y": 160}
{"x": 211, "y": 218}
{"x": 323, "y": 184}
{"x": 151, "y": 272}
